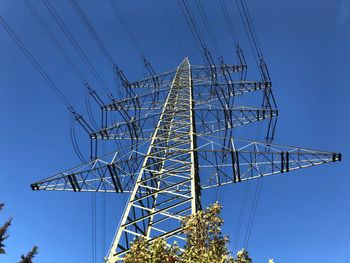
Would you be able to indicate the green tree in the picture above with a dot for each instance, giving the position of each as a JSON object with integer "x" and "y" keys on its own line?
{"x": 30, "y": 255}
{"x": 4, "y": 232}
{"x": 4, "y": 235}
{"x": 243, "y": 257}
{"x": 205, "y": 243}
{"x": 157, "y": 252}
{"x": 204, "y": 240}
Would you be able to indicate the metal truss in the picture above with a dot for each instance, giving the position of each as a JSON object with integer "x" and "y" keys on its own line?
{"x": 241, "y": 160}
{"x": 172, "y": 138}
{"x": 199, "y": 74}
{"x": 167, "y": 186}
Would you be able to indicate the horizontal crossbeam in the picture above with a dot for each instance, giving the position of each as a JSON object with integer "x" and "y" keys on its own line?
{"x": 218, "y": 166}
{"x": 244, "y": 160}
{"x": 199, "y": 73}
{"x": 100, "y": 175}
{"x": 208, "y": 121}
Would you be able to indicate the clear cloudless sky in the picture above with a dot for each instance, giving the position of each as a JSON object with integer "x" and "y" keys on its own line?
{"x": 301, "y": 217}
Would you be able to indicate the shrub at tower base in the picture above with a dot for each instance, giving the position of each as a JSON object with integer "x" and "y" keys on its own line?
{"x": 205, "y": 243}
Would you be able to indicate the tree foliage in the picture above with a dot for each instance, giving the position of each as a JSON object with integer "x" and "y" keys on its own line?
{"x": 4, "y": 232}
{"x": 204, "y": 240}
{"x": 30, "y": 255}
{"x": 243, "y": 257}
{"x": 205, "y": 243}
{"x": 4, "y": 235}
{"x": 157, "y": 252}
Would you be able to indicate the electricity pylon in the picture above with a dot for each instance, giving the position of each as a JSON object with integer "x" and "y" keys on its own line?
{"x": 174, "y": 141}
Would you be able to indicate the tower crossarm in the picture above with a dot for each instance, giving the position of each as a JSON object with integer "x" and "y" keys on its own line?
{"x": 208, "y": 120}
{"x": 199, "y": 73}
{"x": 243, "y": 160}
{"x": 212, "y": 120}
{"x": 163, "y": 79}
{"x": 204, "y": 72}
{"x": 148, "y": 101}
{"x": 234, "y": 88}
{"x": 218, "y": 166}
{"x": 100, "y": 175}
{"x": 203, "y": 92}
{"x": 139, "y": 128}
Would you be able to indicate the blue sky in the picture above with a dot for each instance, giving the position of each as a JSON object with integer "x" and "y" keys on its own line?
{"x": 302, "y": 216}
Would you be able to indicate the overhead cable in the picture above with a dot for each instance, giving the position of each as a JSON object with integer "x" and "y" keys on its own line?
{"x": 250, "y": 31}
{"x": 188, "y": 17}
{"x": 251, "y": 26}
{"x": 208, "y": 27}
{"x": 229, "y": 22}
{"x": 36, "y": 64}
{"x": 93, "y": 32}
{"x": 98, "y": 41}
{"x": 55, "y": 41}
{"x": 126, "y": 27}
{"x": 77, "y": 47}
{"x": 173, "y": 28}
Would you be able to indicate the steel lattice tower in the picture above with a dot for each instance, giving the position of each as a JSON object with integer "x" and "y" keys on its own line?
{"x": 168, "y": 180}
{"x": 179, "y": 128}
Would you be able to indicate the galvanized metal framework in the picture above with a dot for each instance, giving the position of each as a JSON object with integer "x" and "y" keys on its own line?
{"x": 174, "y": 138}
{"x": 167, "y": 185}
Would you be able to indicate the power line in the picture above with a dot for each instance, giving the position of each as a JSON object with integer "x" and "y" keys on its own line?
{"x": 132, "y": 37}
{"x": 36, "y": 64}
{"x": 208, "y": 27}
{"x": 97, "y": 40}
{"x": 55, "y": 41}
{"x": 196, "y": 32}
{"x": 93, "y": 226}
{"x": 88, "y": 108}
{"x": 251, "y": 26}
{"x": 189, "y": 20}
{"x": 251, "y": 34}
{"x": 103, "y": 214}
{"x": 241, "y": 215}
{"x": 173, "y": 28}
{"x": 92, "y": 32}
{"x": 74, "y": 141}
{"x": 229, "y": 22}
{"x": 256, "y": 199}
{"x": 76, "y": 71}
{"x": 77, "y": 47}
{"x": 126, "y": 27}
{"x": 45, "y": 75}
{"x": 253, "y": 212}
